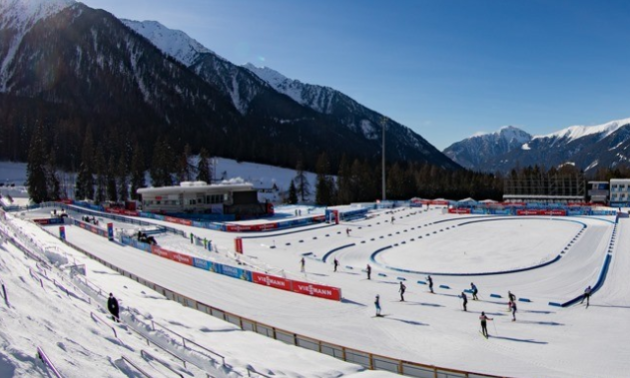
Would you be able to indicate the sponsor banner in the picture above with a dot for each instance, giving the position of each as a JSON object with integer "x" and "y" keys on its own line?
{"x": 459, "y": 211}
{"x": 500, "y": 212}
{"x": 239, "y": 273}
{"x": 181, "y": 258}
{"x": 315, "y": 290}
{"x": 319, "y": 218}
{"x": 478, "y": 211}
{"x": 185, "y": 222}
{"x": 161, "y": 252}
{"x": 67, "y": 201}
{"x": 251, "y": 227}
{"x": 555, "y": 212}
{"x": 46, "y": 221}
{"x": 206, "y": 265}
{"x": 272, "y": 281}
{"x": 122, "y": 212}
{"x": 527, "y": 212}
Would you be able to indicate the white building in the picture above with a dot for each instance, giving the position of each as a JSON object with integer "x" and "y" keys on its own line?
{"x": 240, "y": 199}
{"x": 619, "y": 192}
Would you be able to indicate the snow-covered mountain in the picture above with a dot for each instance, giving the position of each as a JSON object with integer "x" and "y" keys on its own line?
{"x": 265, "y": 92}
{"x": 474, "y": 152}
{"x": 586, "y": 147}
{"x": 174, "y": 43}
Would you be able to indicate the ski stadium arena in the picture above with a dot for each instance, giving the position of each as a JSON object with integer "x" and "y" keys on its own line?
{"x": 546, "y": 261}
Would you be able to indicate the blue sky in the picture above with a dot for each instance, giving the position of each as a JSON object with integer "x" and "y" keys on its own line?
{"x": 447, "y": 69}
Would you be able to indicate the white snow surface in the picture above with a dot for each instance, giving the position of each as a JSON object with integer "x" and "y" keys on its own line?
{"x": 174, "y": 43}
{"x": 427, "y": 328}
{"x": 576, "y": 132}
{"x": 319, "y": 99}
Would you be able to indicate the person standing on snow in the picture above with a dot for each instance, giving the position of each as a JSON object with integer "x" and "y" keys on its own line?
{"x": 587, "y": 295}
{"x": 484, "y": 328}
{"x": 335, "y": 263}
{"x": 513, "y": 308}
{"x": 430, "y": 280}
{"x": 474, "y": 290}
{"x": 348, "y": 232}
{"x": 369, "y": 271}
{"x": 402, "y": 291}
{"x": 112, "y": 306}
{"x": 464, "y": 300}
{"x": 377, "y": 304}
{"x": 302, "y": 263}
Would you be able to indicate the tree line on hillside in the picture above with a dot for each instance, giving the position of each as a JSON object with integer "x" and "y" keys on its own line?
{"x": 361, "y": 181}
{"x": 110, "y": 177}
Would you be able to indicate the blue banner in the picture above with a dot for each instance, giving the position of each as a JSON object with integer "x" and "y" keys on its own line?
{"x": 236, "y": 272}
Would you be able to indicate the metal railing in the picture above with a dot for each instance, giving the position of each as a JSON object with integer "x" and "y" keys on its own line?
{"x": 44, "y": 358}
{"x": 132, "y": 364}
{"x": 98, "y": 319}
{"x": 148, "y": 355}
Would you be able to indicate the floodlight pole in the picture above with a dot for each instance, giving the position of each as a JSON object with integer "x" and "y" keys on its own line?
{"x": 383, "y": 122}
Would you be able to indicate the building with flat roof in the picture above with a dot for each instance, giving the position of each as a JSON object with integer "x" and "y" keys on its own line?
{"x": 598, "y": 191}
{"x": 620, "y": 192}
{"x": 239, "y": 199}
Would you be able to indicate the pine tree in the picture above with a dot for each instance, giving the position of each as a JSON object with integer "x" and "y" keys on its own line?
{"x": 52, "y": 178}
{"x": 184, "y": 171}
{"x": 112, "y": 189}
{"x": 203, "y": 167}
{"x": 101, "y": 176}
{"x": 293, "y": 199}
{"x": 84, "y": 187}
{"x": 121, "y": 174}
{"x": 162, "y": 163}
{"x": 137, "y": 171}
{"x": 344, "y": 177}
{"x": 301, "y": 182}
{"x": 36, "y": 168}
{"x": 325, "y": 186}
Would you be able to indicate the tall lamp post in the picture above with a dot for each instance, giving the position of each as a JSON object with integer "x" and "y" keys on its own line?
{"x": 383, "y": 124}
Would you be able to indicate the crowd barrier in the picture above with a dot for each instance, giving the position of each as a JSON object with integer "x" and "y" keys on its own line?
{"x": 360, "y": 357}
{"x": 307, "y": 288}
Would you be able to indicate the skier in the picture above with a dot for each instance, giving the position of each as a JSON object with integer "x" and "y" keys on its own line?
{"x": 377, "y": 304}
{"x": 402, "y": 291}
{"x": 484, "y": 328}
{"x": 393, "y": 219}
{"x": 511, "y": 296}
{"x": 112, "y": 306}
{"x": 191, "y": 238}
{"x": 587, "y": 295}
{"x": 348, "y": 232}
{"x": 302, "y": 262}
{"x": 336, "y": 263}
{"x": 430, "y": 284}
{"x": 474, "y": 291}
{"x": 513, "y": 308}
{"x": 369, "y": 271}
{"x": 464, "y": 299}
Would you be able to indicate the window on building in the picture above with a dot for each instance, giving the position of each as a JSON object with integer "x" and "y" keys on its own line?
{"x": 192, "y": 202}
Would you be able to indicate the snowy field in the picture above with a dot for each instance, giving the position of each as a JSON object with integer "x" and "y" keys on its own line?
{"x": 427, "y": 328}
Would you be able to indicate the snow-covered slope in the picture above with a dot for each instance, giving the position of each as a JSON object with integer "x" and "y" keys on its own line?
{"x": 17, "y": 17}
{"x": 174, "y": 43}
{"x": 317, "y": 97}
{"x": 573, "y": 133}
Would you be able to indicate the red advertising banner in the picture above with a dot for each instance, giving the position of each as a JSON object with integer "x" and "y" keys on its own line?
{"x": 185, "y": 222}
{"x": 161, "y": 252}
{"x": 272, "y": 281}
{"x": 555, "y": 212}
{"x": 459, "y": 211}
{"x": 238, "y": 245}
{"x": 315, "y": 290}
{"x": 528, "y": 212}
{"x": 181, "y": 258}
{"x": 122, "y": 211}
